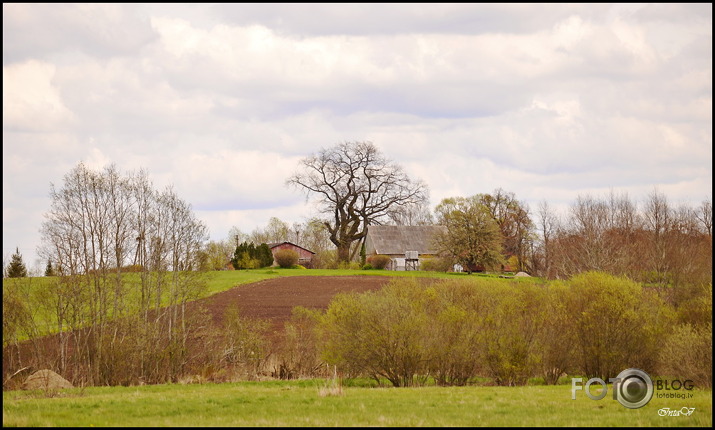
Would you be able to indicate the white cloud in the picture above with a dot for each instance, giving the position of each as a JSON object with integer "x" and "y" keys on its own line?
{"x": 30, "y": 100}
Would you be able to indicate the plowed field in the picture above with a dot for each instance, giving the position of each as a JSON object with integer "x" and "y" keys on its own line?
{"x": 274, "y": 299}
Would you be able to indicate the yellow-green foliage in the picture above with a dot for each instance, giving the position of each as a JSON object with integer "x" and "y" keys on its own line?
{"x": 378, "y": 333}
{"x": 451, "y": 330}
{"x": 435, "y": 264}
{"x": 617, "y": 324}
{"x": 687, "y": 354}
{"x": 454, "y": 331}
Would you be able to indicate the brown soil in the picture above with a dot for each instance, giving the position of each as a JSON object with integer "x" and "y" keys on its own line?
{"x": 274, "y": 299}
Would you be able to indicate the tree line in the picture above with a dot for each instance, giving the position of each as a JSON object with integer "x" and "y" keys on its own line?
{"x": 656, "y": 243}
{"x": 356, "y": 186}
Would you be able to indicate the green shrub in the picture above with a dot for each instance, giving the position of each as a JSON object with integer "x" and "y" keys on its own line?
{"x": 688, "y": 354}
{"x": 696, "y": 306}
{"x": 286, "y": 258}
{"x": 367, "y": 266}
{"x": 617, "y": 324}
{"x": 351, "y": 265}
{"x": 436, "y": 264}
{"x": 513, "y": 320}
{"x": 379, "y": 261}
{"x": 380, "y": 334}
{"x": 556, "y": 337}
{"x": 264, "y": 255}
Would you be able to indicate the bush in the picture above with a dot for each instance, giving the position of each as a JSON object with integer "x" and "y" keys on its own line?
{"x": 299, "y": 353}
{"x": 513, "y": 320}
{"x": 436, "y": 264}
{"x": 617, "y": 324}
{"x": 556, "y": 335}
{"x": 688, "y": 354}
{"x": 378, "y": 333}
{"x": 246, "y": 342}
{"x": 286, "y": 258}
{"x": 367, "y": 266}
{"x": 379, "y": 261}
{"x": 351, "y": 265}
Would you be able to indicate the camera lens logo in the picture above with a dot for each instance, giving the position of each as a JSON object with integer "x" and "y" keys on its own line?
{"x": 634, "y": 388}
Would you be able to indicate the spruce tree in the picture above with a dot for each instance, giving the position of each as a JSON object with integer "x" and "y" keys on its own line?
{"x": 265, "y": 255}
{"x": 238, "y": 256}
{"x": 16, "y": 269}
{"x": 49, "y": 271}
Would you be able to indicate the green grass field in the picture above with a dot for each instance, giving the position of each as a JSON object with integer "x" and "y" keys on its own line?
{"x": 300, "y": 403}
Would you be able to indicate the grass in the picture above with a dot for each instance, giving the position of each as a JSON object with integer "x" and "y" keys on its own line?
{"x": 299, "y": 403}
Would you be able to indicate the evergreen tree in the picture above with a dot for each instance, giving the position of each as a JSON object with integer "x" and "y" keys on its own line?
{"x": 250, "y": 256}
{"x": 49, "y": 271}
{"x": 238, "y": 256}
{"x": 16, "y": 269}
{"x": 265, "y": 255}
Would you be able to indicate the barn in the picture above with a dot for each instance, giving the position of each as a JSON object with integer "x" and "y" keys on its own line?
{"x": 305, "y": 256}
{"x": 406, "y": 245}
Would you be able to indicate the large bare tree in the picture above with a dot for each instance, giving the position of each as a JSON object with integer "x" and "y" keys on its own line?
{"x": 357, "y": 186}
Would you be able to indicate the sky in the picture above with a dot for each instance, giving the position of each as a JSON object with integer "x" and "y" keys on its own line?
{"x": 222, "y": 101}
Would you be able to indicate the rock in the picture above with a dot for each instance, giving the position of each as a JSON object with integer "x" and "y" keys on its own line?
{"x": 522, "y": 274}
{"x": 46, "y": 379}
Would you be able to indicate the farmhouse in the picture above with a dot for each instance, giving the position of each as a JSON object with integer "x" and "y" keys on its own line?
{"x": 407, "y": 245}
{"x": 305, "y": 256}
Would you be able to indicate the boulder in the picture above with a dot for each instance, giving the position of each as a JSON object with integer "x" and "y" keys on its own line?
{"x": 46, "y": 379}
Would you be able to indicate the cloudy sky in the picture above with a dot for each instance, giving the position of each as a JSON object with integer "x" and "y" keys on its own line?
{"x": 222, "y": 101}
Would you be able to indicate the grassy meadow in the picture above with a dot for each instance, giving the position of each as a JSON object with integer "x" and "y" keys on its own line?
{"x": 304, "y": 403}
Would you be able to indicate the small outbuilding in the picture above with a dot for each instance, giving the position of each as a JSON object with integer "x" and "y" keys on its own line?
{"x": 305, "y": 256}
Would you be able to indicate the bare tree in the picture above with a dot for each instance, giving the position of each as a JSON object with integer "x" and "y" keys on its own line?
{"x": 705, "y": 216}
{"x": 658, "y": 221}
{"x": 277, "y": 230}
{"x": 357, "y": 186}
{"x": 414, "y": 214}
{"x": 548, "y": 225}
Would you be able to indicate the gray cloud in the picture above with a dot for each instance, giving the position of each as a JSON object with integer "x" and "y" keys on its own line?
{"x": 50, "y": 30}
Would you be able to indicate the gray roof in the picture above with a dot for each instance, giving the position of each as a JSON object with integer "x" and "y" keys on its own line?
{"x": 396, "y": 239}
